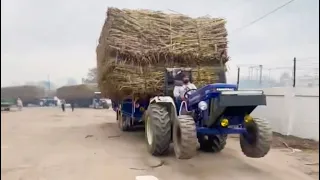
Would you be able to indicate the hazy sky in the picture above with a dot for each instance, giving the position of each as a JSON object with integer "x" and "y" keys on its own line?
{"x": 58, "y": 38}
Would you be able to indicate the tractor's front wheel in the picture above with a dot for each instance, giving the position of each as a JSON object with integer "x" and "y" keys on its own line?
{"x": 257, "y": 141}
{"x": 157, "y": 129}
{"x": 213, "y": 143}
{"x": 185, "y": 137}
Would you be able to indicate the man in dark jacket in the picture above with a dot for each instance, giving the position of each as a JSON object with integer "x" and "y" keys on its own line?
{"x": 72, "y": 106}
{"x": 63, "y": 105}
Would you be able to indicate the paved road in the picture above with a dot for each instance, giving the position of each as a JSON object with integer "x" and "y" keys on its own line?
{"x": 47, "y": 144}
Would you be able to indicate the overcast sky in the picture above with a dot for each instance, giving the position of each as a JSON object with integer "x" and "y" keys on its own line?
{"x": 58, "y": 38}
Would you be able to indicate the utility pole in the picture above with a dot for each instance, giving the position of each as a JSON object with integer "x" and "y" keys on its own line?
{"x": 260, "y": 76}
{"x": 251, "y": 72}
{"x": 49, "y": 83}
{"x": 238, "y": 77}
{"x": 294, "y": 71}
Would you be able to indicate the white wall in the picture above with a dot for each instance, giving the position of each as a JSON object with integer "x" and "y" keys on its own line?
{"x": 292, "y": 111}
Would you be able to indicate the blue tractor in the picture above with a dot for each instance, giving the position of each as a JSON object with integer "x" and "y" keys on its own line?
{"x": 99, "y": 102}
{"x": 204, "y": 120}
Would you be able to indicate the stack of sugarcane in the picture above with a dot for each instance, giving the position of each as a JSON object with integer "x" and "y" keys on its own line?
{"x": 135, "y": 47}
{"x": 81, "y": 91}
{"x": 25, "y": 93}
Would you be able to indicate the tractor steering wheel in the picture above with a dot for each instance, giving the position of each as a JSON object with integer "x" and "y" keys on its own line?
{"x": 186, "y": 94}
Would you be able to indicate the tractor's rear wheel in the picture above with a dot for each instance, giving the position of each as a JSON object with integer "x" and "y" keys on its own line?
{"x": 157, "y": 129}
{"x": 257, "y": 141}
{"x": 185, "y": 137}
{"x": 213, "y": 143}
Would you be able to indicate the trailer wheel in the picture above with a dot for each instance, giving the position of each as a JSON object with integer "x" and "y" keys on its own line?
{"x": 185, "y": 137}
{"x": 213, "y": 143}
{"x": 257, "y": 141}
{"x": 157, "y": 129}
{"x": 123, "y": 122}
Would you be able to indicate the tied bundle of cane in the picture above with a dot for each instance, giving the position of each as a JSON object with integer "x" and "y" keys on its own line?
{"x": 124, "y": 80}
{"x": 80, "y": 91}
{"x": 26, "y": 93}
{"x": 135, "y": 46}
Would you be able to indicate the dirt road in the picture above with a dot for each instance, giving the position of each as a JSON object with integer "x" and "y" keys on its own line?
{"x": 47, "y": 144}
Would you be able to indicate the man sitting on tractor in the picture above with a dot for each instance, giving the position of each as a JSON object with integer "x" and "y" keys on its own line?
{"x": 180, "y": 90}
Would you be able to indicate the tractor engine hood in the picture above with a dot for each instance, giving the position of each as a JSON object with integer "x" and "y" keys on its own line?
{"x": 234, "y": 104}
{"x": 226, "y": 100}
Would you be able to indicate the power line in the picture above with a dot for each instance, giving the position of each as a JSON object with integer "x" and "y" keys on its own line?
{"x": 264, "y": 16}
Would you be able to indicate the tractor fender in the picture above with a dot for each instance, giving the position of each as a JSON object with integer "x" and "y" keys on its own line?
{"x": 168, "y": 102}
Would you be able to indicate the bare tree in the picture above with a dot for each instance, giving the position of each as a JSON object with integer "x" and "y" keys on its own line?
{"x": 91, "y": 76}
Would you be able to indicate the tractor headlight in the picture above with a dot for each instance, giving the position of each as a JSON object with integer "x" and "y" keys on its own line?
{"x": 248, "y": 118}
{"x": 203, "y": 105}
{"x": 224, "y": 122}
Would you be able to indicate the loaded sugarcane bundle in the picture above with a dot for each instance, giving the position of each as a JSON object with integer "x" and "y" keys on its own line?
{"x": 123, "y": 80}
{"x": 136, "y": 45}
{"x": 25, "y": 93}
{"x": 81, "y": 91}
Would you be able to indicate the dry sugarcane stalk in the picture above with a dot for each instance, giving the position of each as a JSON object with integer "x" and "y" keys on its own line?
{"x": 136, "y": 45}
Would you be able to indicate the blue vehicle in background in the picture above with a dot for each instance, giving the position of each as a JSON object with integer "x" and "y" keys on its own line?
{"x": 204, "y": 120}
{"x": 99, "y": 102}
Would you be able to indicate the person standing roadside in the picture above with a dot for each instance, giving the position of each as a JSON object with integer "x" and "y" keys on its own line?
{"x": 72, "y": 106}
{"x": 63, "y": 105}
{"x": 19, "y": 104}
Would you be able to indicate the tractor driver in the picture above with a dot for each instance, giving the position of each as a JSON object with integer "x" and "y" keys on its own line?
{"x": 179, "y": 91}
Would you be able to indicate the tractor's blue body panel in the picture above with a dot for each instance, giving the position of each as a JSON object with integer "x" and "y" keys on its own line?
{"x": 207, "y": 92}
{"x": 219, "y": 130}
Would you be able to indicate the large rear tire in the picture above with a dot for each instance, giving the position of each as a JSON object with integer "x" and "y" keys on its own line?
{"x": 185, "y": 137}
{"x": 157, "y": 129}
{"x": 256, "y": 143}
{"x": 213, "y": 143}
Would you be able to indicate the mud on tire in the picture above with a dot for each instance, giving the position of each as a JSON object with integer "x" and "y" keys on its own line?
{"x": 157, "y": 129}
{"x": 213, "y": 143}
{"x": 258, "y": 141}
{"x": 185, "y": 137}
